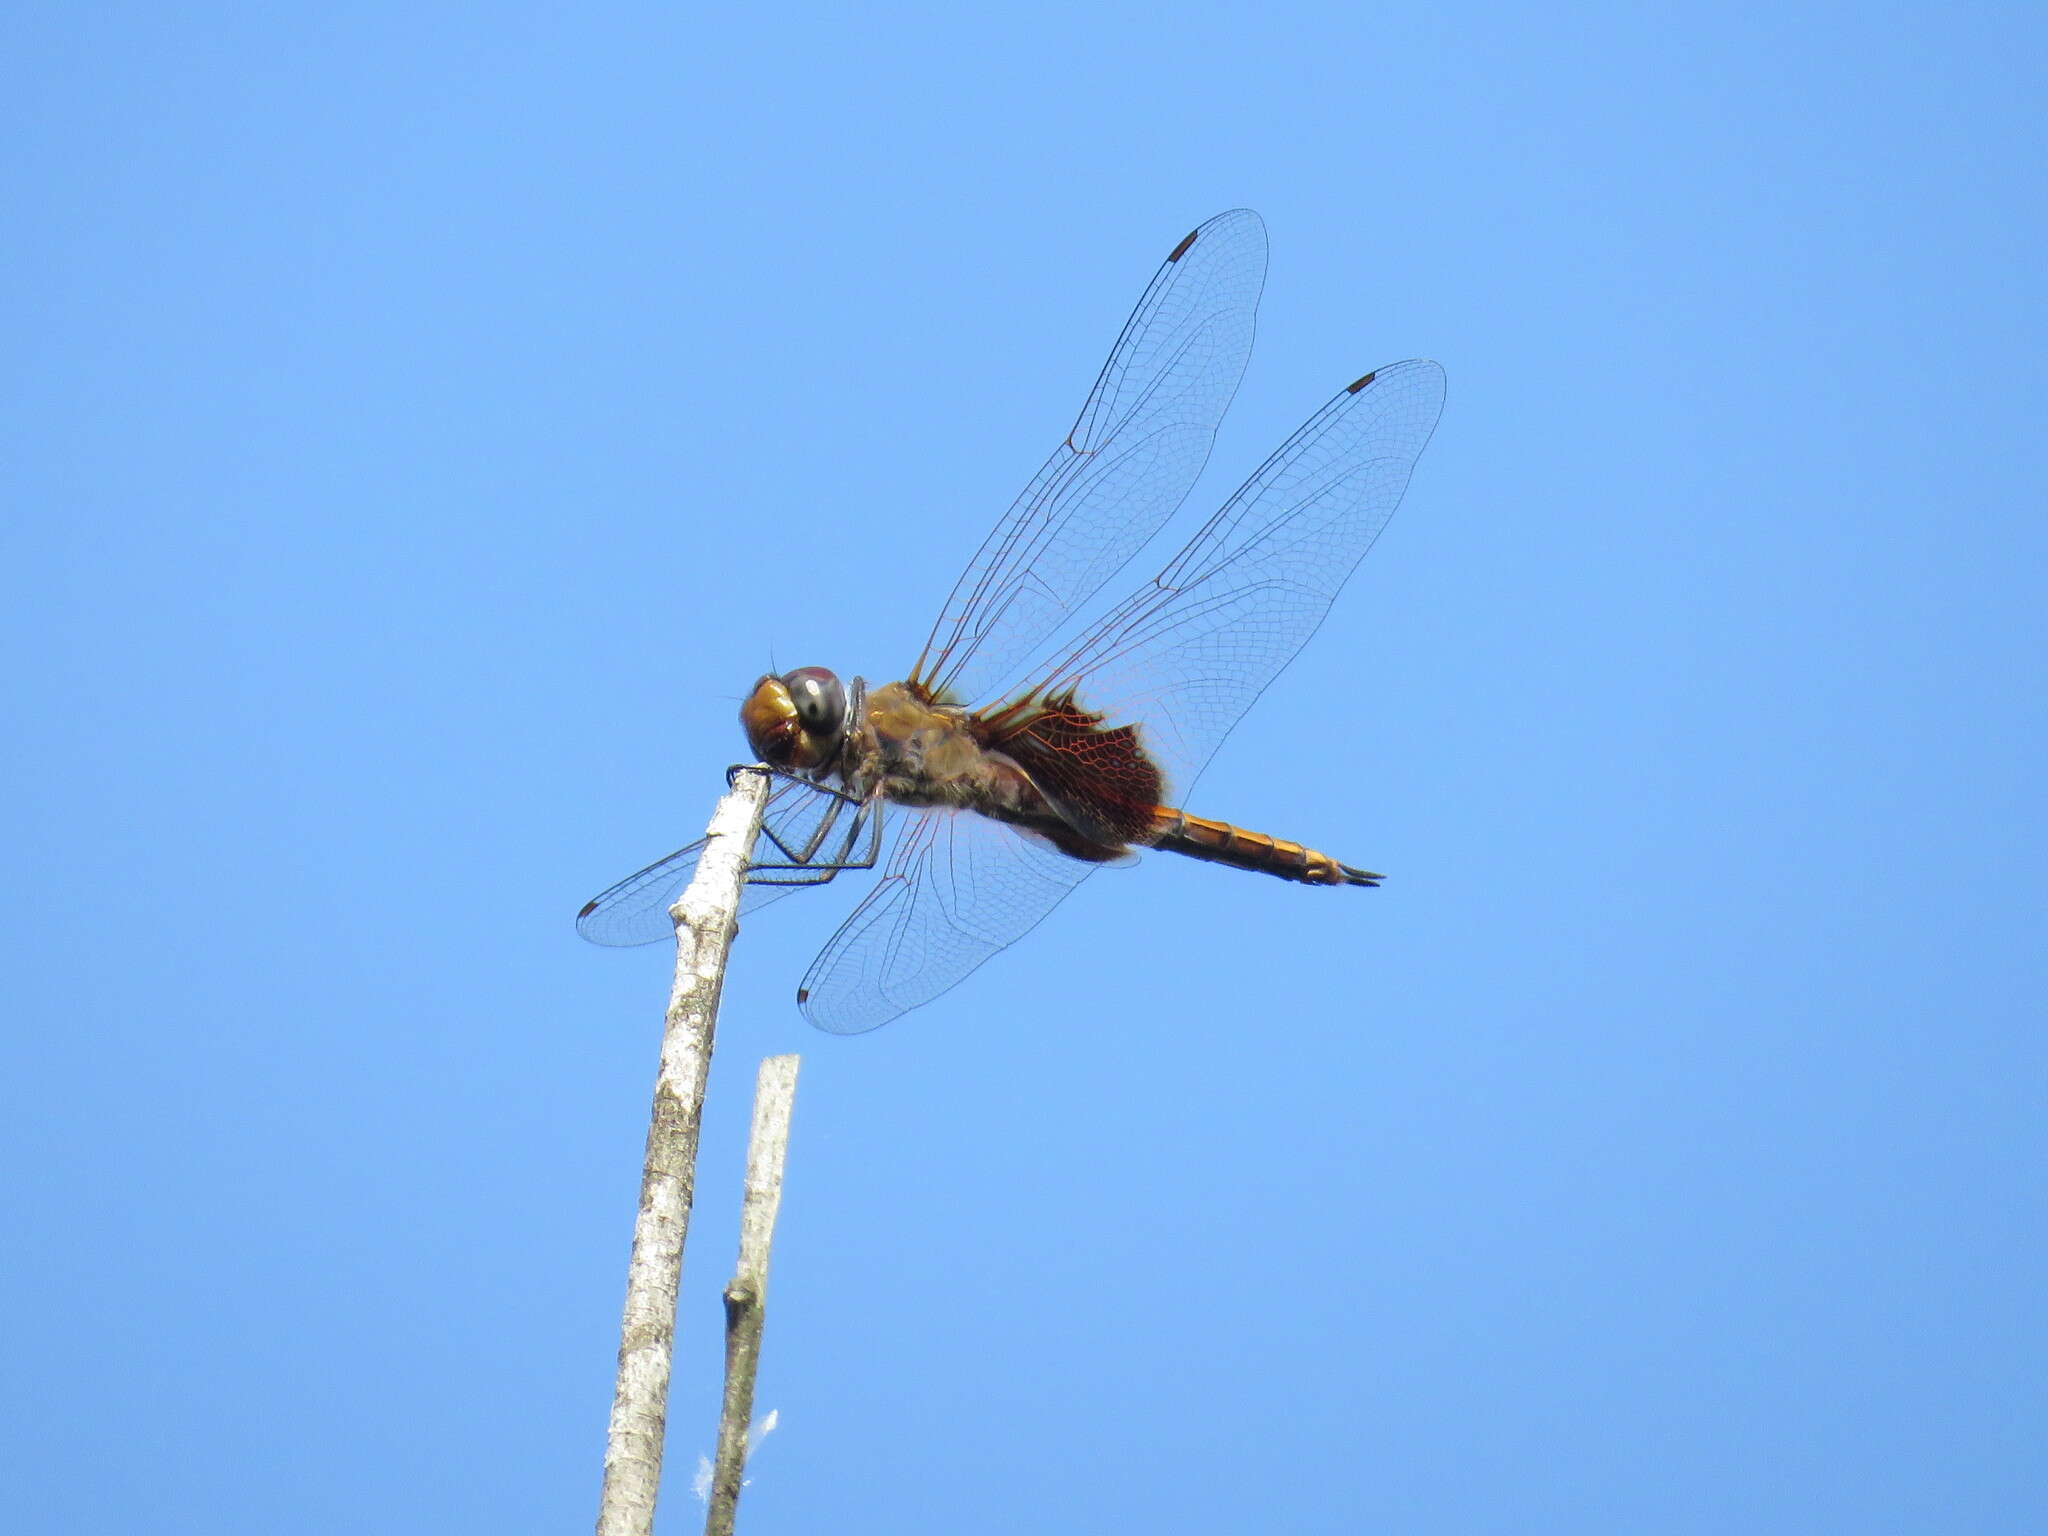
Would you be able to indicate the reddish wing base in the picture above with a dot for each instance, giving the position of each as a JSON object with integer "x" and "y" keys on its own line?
{"x": 1099, "y": 778}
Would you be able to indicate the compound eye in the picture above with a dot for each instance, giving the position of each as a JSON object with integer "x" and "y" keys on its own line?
{"x": 820, "y": 700}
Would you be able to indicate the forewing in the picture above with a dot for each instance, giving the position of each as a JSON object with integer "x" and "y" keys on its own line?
{"x": 797, "y": 816}
{"x": 1133, "y": 455}
{"x": 957, "y": 890}
{"x": 1187, "y": 653}
{"x": 1185, "y": 656}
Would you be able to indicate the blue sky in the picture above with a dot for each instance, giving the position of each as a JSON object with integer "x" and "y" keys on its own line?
{"x": 421, "y": 424}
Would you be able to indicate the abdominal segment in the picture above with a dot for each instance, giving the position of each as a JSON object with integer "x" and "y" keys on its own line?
{"x": 1219, "y": 842}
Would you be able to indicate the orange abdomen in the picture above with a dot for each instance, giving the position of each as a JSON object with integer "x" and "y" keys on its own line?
{"x": 1220, "y": 842}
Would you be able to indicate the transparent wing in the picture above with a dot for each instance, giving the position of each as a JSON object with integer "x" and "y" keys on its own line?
{"x": 1187, "y": 653}
{"x": 1185, "y": 656}
{"x": 1133, "y": 455}
{"x": 809, "y": 834}
{"x": 957, "y": 890}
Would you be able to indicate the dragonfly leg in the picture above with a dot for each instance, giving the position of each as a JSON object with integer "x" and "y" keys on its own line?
{"x": 837, "y": 834}
{"x": 732, "y": 773}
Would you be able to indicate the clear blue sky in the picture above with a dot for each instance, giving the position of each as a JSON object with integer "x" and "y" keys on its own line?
{"x": 421, "y": 424}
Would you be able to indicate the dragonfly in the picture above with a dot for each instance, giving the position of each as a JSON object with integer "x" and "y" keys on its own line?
{"x": 1040, "y": 734}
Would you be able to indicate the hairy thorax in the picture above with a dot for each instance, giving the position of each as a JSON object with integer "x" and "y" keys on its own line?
{"x": 919, "y": 753}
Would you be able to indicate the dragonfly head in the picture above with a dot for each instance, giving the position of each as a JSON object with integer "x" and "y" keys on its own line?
{"x": 796, "y": 721}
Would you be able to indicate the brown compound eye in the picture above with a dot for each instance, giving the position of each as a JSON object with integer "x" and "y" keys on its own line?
{"x": 796, "y": 721}
{"x": 819, "y": 698}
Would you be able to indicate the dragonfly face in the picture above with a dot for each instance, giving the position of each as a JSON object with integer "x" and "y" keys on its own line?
{"x": 1039, "y": 734}
{"x": 797, "y": 722}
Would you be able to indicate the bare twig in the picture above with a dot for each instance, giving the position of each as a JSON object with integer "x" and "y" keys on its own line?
{"x": 747, "y": 1295}
{"x": 706, "y": 919}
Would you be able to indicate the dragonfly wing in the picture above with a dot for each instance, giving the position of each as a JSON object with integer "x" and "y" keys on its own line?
{"x": 799, "y": 819}
{"x": 1188, "y": 653}
{"x": 958, "y": 890}
{"x": 1132, "y": 457}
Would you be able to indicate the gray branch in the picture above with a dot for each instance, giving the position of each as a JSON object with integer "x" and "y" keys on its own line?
{"x": 747, "y": 1296}
{"x": 706, "y": 920}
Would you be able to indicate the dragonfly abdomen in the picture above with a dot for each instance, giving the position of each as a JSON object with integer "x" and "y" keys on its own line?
{"x": 1220, "y": 842}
